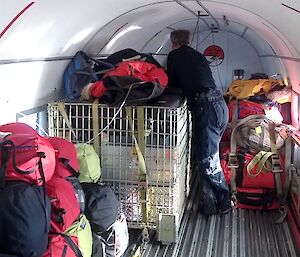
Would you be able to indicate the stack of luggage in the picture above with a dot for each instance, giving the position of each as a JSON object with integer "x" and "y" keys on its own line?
{"x": 126, "y": 74}
{"x": 52, "y": 201}
{"x": 253, "y": 147}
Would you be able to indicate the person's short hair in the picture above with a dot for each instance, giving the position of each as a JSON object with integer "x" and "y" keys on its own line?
{"x": 180, "y": 37}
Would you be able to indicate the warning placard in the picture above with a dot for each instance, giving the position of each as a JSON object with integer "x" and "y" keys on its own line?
{"x": 214, "y": 55}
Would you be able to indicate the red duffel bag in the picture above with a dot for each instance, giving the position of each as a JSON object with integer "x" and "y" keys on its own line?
{"x": 25, "y": 154}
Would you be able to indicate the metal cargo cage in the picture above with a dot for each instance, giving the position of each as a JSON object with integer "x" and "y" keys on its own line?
{"x": 163, "y": 135}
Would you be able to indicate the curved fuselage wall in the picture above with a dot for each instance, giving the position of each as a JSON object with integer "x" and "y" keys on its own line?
{"x": 37, "y": 47}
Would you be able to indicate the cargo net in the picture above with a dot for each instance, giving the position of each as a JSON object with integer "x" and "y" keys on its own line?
{"x": 166, "y": 153}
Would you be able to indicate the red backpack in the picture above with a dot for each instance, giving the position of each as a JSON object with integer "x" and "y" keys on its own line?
{"x": 64, "y": 205}
{"x": 257, "y": 191}
{"x": 26, "y": 155}
{"x": 63, "y": 246}
{"x": 66, "y": 157}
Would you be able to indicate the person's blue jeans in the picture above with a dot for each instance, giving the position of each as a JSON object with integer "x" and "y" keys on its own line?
{"x": 210, "y": 118}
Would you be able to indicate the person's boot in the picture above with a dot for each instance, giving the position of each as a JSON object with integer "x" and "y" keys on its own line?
{"x": 224, "y": 203}
{"x": 209, "y": 201}
{"x": 209, "y": 206}
{"x": 218, "y": 183}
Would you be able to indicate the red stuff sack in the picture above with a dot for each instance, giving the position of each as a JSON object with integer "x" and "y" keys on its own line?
{"x": 245, "y": 109}
{"x": 64, "y": 205}
{"x": 26, "y": 155}
{"x": 67, "y": 166}
{"x": 66, "y": 157}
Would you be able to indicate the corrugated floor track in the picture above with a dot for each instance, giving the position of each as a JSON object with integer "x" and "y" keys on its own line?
{"x": 241, "y": 233}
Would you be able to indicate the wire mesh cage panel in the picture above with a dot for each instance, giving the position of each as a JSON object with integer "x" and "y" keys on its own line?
{"x": 165, "y": 146}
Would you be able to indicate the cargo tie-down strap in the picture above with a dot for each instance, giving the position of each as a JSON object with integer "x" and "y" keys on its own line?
{"x": 139, "y": 145}
{"x": 261, "y": 158}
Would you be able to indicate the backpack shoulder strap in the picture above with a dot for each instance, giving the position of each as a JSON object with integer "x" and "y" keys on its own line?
{"x": 233, "y": 161}
{"x": 72, "y": 245}
{"x": 277, "y": 169}
{"x": 66, "y": 163}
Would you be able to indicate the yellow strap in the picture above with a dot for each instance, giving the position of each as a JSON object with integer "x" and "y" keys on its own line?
{"x": 141, "y": 129}
{"x": 260, "y": 159}
{"x": 95, "y": 118}
{"x": 61, "y": 108}
{"x": 142, "y": 172}
{"x": 253, "y": 163}
{"x": 141, "y": 160}
{"x": 262, "y": 165}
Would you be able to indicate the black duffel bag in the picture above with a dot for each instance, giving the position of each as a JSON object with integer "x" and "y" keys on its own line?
{"x": 101, "y": 206}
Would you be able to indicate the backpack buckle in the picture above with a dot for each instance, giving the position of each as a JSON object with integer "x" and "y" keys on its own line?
{"x": 233, "y": 161}
{"x": 276, "y": 164}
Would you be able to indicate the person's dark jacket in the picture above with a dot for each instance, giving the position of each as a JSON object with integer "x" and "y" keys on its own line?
{"x": 189, "y": 70}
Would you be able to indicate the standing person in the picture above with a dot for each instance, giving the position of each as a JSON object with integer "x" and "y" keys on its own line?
{"x": 189, "y": 70}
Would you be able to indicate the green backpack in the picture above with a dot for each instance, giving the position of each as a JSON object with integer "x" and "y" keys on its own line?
{"x": 89, "y": 164}
{"x": 82, "y": 230}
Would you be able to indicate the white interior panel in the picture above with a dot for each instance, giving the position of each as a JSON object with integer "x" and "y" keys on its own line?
{"x": 28, "y": 85}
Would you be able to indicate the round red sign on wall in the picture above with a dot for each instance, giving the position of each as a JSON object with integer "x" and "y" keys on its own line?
{"x": 214, "y": 55}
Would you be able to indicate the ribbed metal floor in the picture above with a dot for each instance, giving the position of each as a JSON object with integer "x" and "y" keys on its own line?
{"x": 241, "y": 233}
